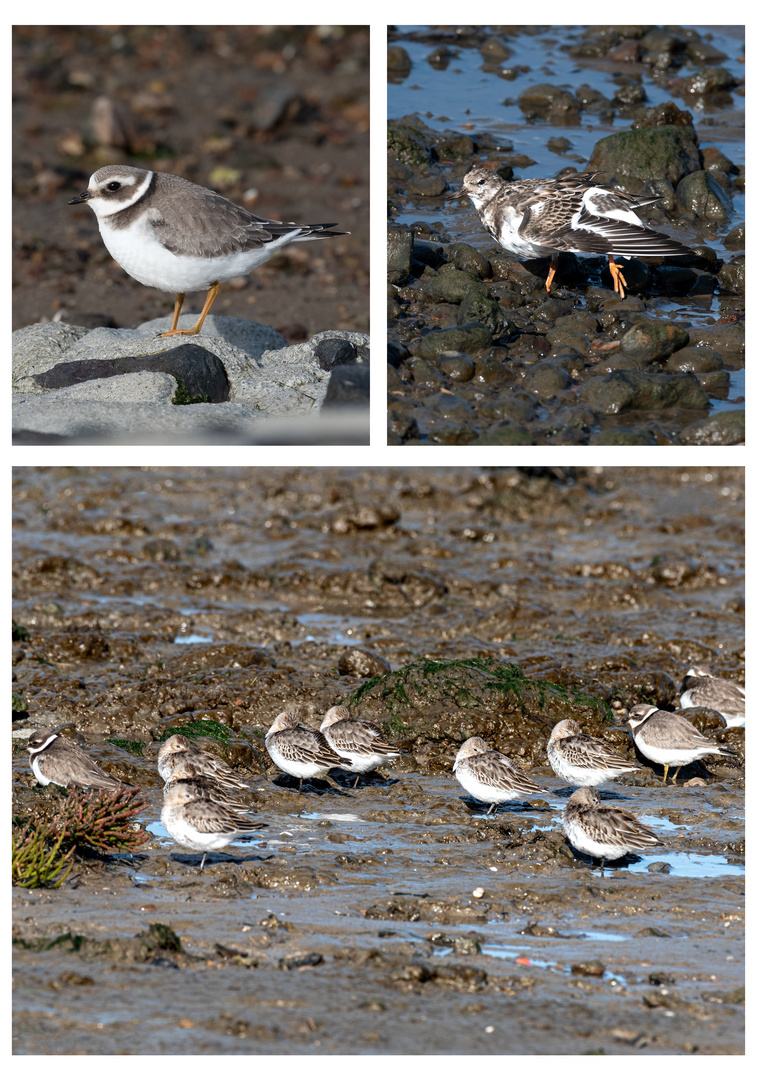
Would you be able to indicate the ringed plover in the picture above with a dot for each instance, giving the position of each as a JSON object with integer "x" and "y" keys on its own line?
{"x": 56, "y": 760}
{"x": 670, "y": 739}
{"x": 701, "y": 689}
{"x": 177, "y": 236}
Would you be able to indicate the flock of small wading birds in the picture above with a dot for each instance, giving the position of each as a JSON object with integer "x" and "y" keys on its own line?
{"x": 202, "y": 813}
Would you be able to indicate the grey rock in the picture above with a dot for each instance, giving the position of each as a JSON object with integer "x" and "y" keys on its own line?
{"x": 265, "y": 378}
{"x": 348, "y": 385}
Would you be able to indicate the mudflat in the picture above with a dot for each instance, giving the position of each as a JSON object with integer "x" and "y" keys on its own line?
{"x": 392, "y": 918}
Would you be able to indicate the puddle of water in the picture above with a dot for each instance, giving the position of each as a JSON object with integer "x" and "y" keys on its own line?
{"x": 737, "y": 389}
{"x": 598, "y": 935}
{"x": 682, "y": 864}
{"x": 691, "y": 864}
{"x": 191, "y": 639}
{"x": 332, "y": 627}
{"x": 329, "y": 817}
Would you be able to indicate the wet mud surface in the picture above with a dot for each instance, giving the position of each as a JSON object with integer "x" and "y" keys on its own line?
{"x": 393, "y": 918}
{"x": 479, "y": 352}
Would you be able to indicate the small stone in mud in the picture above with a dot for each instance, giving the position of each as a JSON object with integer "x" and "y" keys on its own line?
{"x": 461, "y": 944}
{"x": 69, "y": 979}
{"x": 299, "y": 960}
{"x": 535, "y": 930}
{"x": 659, "y": 868}
{"x": 662, "y": 999}
{"x": 163, "y": 937}
{"x": 362, "y": 663}
{"x": 660, "y": 978}
{"x": 588, "y": 967}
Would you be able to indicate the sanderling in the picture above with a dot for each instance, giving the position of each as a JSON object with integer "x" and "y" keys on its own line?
{"x": 669, "y": 739}
{"x": 581, "y": 759}
{"x": 200, "y": 822}
{"x": 360, "y": 745}
{"x": 299, "y": 750}
{"x": 604, "y": 832}
{"x": 491, "y": 777}
{"x": 535, "y": 218}
{"x": 56, "y": 760}
{"x": 174, "y": 235}
{"x": 701, "y": 689}
{"x": 177, "y": 749}
{"x": 201, "y": 786}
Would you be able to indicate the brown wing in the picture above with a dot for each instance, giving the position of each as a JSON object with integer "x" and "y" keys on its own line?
{"x": 497, "y": 770}
{"x": 211, "y": 817}
{"x": 356, "y": 737}
{"x": 610, "y": 825}
{"x": 304, "y": 744}
{"x": 197, "y": 221}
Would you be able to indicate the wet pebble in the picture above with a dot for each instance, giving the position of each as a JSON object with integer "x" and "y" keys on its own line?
{"x": 296, "y": 961}
{"x": 588, "y": 967}
{"x": 362, "y": 663}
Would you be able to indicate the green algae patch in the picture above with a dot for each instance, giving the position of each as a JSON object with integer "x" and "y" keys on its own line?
{"x": 199, "y": 729}
{"x": 131, "y": 746}
{"x": 457, "y": 699}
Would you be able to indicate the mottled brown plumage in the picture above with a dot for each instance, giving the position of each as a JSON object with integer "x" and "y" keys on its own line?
{"x": 536, "y": 218}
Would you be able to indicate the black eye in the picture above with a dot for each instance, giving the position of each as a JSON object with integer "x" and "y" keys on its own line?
{"x": 113, "y": 186}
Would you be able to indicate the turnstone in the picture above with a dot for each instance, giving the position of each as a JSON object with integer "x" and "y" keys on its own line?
{"x": 604, "y": 832}
{"x": 56, "y": 760}
{"x": 669, "y": 739}
{"x": 178, "y": 750}
{"x": 490, "y": 776}
{"x": 536, "y": 218}
{"x": 582, "y": 760}
{"x": 202, "y": 823}
{"x": 298, "y": 750}
{"x": 174, "y": 235}
{"x": 360, "y": 746}
{"x": 701, "y": 689}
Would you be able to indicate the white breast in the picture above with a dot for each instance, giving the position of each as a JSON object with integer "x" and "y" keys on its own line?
{"x": 144, "y": 258}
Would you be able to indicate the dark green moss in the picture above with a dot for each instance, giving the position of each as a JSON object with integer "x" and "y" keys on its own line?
{"x": 182, "y": 397}
{"x": 129, "y": 745}
{"x": 195, "y": 729}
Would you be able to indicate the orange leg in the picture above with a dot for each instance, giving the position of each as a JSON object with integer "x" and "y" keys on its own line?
{"x": 617, "y": 277}
{"x": 178, "y": 304}
{"x": 552, "y": 269}
{"x": 212, "y": 294}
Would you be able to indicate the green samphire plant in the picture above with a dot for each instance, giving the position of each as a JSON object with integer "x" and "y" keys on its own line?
{"x": 38, "y": 862}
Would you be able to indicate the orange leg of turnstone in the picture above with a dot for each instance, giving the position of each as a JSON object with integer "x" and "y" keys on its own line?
{"x": 617, "y": 277}
{"x": 552, "y": 269}
{"x": 212, "y": 294}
